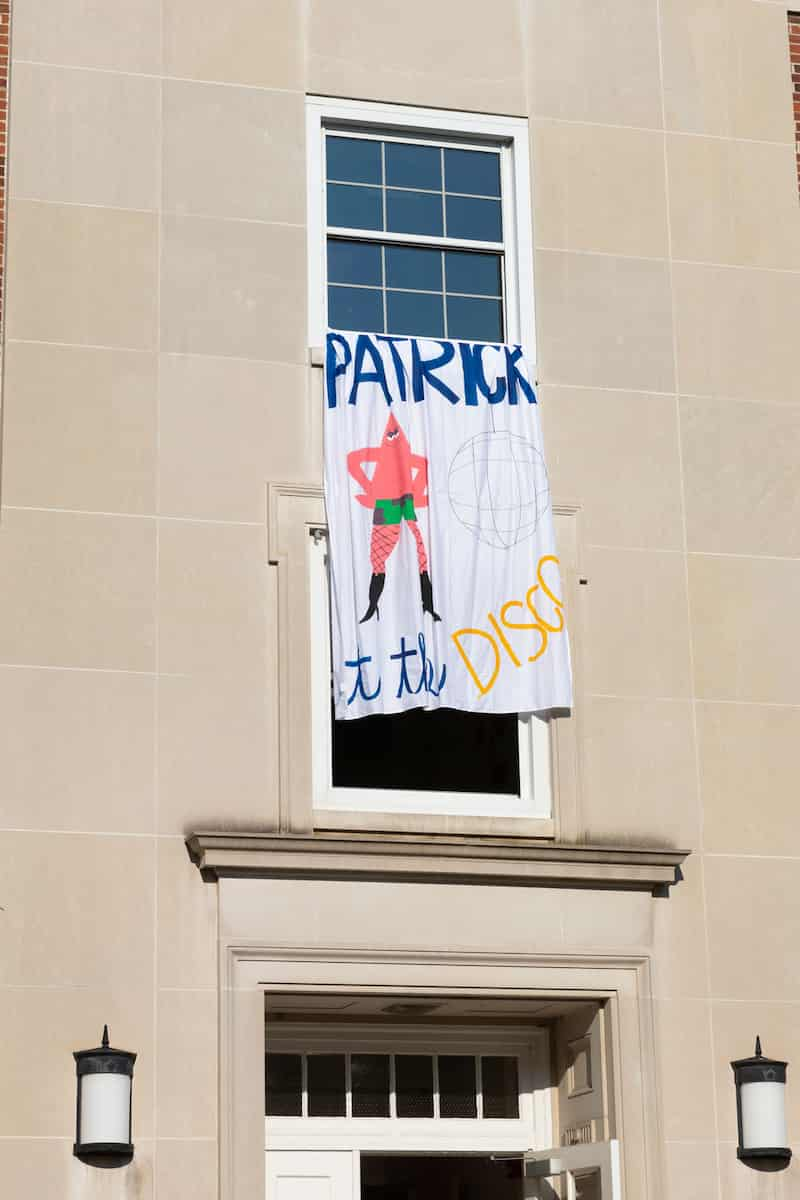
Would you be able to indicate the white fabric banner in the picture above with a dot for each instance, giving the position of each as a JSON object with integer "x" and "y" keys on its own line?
{"x": 445, "y": 586}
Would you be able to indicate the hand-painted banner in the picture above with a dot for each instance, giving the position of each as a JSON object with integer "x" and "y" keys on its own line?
{"x": 445, "y": 586}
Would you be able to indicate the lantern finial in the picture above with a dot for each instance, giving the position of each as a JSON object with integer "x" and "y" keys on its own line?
{"x": 758, "y": 1047}
{"x": 105, "y": 1039}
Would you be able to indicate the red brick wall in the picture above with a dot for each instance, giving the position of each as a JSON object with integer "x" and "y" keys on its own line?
{"x": 5, "y": 30}
{"x": 794, "y": 57}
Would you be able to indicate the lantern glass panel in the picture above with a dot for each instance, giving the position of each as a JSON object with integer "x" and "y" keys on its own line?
{"x": 763, "y": 1115}
{"x": 105, "y": 1109}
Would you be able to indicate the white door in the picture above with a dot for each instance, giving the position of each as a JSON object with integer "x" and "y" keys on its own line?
{"x": 589, "y": 1172}
{"x": 312, "y": 1175}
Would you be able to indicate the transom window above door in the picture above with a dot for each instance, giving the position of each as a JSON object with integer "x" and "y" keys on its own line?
{"x": 437, "y": 1086}
{"x": 436, "y": 267}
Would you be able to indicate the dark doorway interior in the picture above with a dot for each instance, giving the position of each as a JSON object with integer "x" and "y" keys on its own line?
{"x": 439, "y": 1177}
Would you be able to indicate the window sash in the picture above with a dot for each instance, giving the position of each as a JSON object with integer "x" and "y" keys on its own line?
{"x": 446, "y": 293}
{"x": 506, "y": 136}
{"x": 384, "y": 237}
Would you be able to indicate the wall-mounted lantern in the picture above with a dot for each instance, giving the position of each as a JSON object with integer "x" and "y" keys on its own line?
{"x": 761, "y": 1108}
{"x": 103, "y": 1124}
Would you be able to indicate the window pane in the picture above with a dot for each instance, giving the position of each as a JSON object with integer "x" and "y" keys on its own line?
{"x": 457, "y": 1086}
{"x": 478, "y": 220}
{"x": 354, "y": 159}
{"x": 326, "y": 1085}
{"x": 354, "y": 262}
{"x": 475, "y": 172}
{"x": 418, "y": 313}
{"x": 409, "y": 267}
{"x": 440, "y": 751}
{"x": 355, "y": 308}
{"x": 284, "y": 1085}
{"x": 413, "y": 166}
{"x": 413, "y": 212}
{"x": 474, "y": 320}
{"x": 500, "y": 1087}
{"x": 369, "y": 1074}
{"x": 354, "y": 207}
{"x": 414, "y": 1085}
{"x": 476, "y": 274}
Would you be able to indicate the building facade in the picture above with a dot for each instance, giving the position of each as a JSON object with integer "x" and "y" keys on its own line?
{"x": 344, "y": 975}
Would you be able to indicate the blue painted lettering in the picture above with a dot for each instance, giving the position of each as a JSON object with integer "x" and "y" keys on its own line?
{"x": 364, "y": 346}
{"x": 333, "y": 367}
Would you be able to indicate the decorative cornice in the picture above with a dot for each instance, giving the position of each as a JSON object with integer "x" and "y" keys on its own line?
{"x": 512, "y": 862}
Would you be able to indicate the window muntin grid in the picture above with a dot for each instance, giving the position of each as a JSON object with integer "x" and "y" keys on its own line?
{"x": 417, "y": 1086}
{"x": 415, "y": 290}
{"x": 437, "y": 269}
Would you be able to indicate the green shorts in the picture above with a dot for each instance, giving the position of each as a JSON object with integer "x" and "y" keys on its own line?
{"x": 392, "y": 512}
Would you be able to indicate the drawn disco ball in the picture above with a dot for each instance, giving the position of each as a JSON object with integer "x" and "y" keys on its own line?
{"x": 498, "y": 488}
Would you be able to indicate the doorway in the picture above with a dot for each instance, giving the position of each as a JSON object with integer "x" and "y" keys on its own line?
{"x": 440, "y": 1177}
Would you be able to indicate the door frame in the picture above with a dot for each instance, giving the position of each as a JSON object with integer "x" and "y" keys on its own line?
{"x": 249, "y": 970}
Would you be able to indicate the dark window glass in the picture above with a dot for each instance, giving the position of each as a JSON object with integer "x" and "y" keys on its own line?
{"x": 354, "y": 207}
{"x": 418, "y": 313}
{"x": 412, "y": 267}
{"x": 474, "y": 320}
{"x": 355, "y": 159}
{"x": 326, "y": 1085}
{"x": 355, "y": 308}
{"x": 478, "y": 220}
{"x": 413, "y": 166}
{"x": 414, "y": 1085}
{"x": 354, "y": 262}
{"x": 475, "y": 274}
{"x": 284, "y": 1085}
{"x": 457, "y": 1097}
{"x": 441, "y": 751}
{"x": 369, "y": 1074}
{"x": 500, "y": 1087}
{"x": 413, "y": 212}
{"x": 475, "y": 172}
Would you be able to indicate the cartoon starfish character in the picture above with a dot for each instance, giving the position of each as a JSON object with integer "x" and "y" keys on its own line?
{"x": 398, "y": 484}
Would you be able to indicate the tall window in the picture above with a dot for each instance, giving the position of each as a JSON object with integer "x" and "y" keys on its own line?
{"x": 419, "y": 224}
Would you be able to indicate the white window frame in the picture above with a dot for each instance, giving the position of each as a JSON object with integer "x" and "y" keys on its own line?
{"x": 535, "y": 799}
{"x": 465, "y": 130}
{"x": 510, "y": 136}
{"x": 531, "y": 1130}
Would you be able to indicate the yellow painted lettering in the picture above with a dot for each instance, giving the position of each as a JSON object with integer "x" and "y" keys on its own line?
{"x": 482, "y": 688}
{"x": 541, "y": 623}
{"x": 543, "y": 635}
{"x": 547, "y": 590}
{"x": 514, "y": 624}
{"x": 504, "y": 640}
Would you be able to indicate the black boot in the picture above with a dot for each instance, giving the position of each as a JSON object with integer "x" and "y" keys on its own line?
{"x": 375, "y": 588}
{"x": 426, "y": 588}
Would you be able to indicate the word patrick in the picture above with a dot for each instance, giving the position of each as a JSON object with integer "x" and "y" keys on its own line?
{"x": 498, "y": 640}
{"x": 478, "y": 370}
